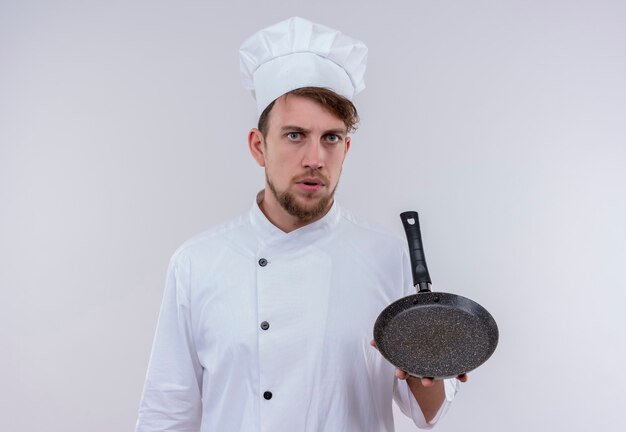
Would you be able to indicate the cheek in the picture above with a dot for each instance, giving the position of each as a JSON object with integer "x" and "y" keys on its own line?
{"x": 277, "y": 169}
{"x": 335, "y": 165}
{"x": 283, "y": 161}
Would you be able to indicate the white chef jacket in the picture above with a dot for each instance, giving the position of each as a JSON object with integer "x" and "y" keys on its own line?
{"x": 262, "y": 330}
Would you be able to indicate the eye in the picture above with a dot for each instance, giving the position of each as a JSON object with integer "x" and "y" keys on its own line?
{"x": 294, "y": 136}
{"x": 332, "y": 138}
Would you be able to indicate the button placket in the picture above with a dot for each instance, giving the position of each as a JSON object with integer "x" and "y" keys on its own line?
{"x": 264, "y": 273}
{"x": 264, "y": 325}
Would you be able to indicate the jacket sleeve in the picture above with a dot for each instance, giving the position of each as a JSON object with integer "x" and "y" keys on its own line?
{"x": 401, "y": 391}
{"x": 409, "y": 406}
{"x": 171, "y": 399}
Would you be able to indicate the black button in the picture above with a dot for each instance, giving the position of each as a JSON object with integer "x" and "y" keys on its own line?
{"x": 262, "y": 262}
{"x": 267, "y": 395}
{"x": 265, "y": 325}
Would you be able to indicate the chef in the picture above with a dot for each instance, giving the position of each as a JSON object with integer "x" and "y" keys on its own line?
{"x": 266, "y": 321}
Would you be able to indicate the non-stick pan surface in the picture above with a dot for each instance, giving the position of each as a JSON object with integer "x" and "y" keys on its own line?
{"x": 433, "y": 334}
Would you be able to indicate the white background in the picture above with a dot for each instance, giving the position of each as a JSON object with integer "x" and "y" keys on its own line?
{"x": 123, "y": 132}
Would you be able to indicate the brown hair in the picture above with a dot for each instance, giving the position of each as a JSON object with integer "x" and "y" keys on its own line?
{"x": 338, "y": 105}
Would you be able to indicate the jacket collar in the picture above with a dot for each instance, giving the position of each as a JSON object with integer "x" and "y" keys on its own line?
{"x": 269, "y": 233}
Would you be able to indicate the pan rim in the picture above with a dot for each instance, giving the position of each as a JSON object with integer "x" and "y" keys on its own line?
{"x": 480, "y": 317}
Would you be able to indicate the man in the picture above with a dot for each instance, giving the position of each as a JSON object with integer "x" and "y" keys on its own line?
{"x": 266, "y": 321}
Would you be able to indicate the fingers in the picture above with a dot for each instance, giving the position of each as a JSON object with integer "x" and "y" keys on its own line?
{"x": 400, "y": 374}
{"x": 428, "y": 382}
{"x": 403, "y": 375}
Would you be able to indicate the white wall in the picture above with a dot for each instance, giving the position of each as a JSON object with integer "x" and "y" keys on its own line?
{"x": 123, "y": 132}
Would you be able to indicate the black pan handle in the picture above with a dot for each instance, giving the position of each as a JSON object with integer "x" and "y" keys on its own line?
{"x": 411, "y": 223}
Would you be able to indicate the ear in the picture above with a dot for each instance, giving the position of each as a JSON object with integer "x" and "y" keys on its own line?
{"x": 348, "y": 140}
{"x": 256, "y": 144}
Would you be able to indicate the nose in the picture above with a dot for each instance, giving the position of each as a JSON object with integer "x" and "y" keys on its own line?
{"x": 313, "y": 157}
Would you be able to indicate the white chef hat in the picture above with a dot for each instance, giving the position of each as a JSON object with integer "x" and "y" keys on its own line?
{"x": 298, "y": 53}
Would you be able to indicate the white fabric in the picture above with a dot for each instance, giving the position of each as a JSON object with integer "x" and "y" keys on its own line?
{"x": 321, "y": 291}
{"x": 299, "y": 53}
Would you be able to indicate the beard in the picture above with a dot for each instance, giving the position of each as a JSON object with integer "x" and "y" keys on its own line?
{"x": 302, "y": 212}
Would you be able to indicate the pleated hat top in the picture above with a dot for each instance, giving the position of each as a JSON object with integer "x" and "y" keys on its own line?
{"x": 298, "y": 53}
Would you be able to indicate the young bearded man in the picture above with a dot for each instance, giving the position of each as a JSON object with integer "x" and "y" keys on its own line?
{"x": 266, "y": 320}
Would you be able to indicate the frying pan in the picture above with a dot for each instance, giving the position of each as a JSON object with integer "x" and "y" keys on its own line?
{"x": 433, "y": 334}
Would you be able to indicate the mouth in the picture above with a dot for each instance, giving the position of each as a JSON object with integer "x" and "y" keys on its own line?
{"x": 310, "y": 184}
{"x": 311, "y": 181}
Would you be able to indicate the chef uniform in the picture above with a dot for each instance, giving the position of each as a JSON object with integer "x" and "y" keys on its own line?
{"x": 262, "y": 330}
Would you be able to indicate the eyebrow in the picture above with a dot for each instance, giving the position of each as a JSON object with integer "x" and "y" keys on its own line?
{"x": 293, "y": 129}
{"x": 288, "y": 128}
{"x": 339, "y": 132}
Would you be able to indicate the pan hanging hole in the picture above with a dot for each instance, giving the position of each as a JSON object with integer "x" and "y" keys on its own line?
{"x": 436, "y": 299}
{"x": 411, "y": 221}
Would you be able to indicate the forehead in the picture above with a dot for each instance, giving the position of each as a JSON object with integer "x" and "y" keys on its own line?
{"x": 304, "y": 112}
